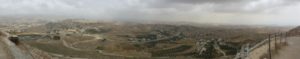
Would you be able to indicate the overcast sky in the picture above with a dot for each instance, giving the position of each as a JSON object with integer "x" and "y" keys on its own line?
{"x": 261, "y": 12}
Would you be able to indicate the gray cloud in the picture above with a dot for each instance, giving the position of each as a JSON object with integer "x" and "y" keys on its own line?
{"x": 248, "y": 6}
{"x": 95, "y": 7}
{"x": 182, "y": 10}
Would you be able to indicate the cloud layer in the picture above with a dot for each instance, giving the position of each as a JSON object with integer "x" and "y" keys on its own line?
{"x": 206, "y": 11}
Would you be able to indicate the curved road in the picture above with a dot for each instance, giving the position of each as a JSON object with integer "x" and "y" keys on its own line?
{"x": 292, "y": 51}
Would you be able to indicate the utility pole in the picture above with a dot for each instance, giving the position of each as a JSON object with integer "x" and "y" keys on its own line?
{"x": 269, "y": 39}
{"x": 275, "y": 45}
{"x": 285, "y": 38}
{"x": 280, "y": 38}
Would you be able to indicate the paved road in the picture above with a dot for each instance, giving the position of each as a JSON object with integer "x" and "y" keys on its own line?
{"x": 292, "y": 51}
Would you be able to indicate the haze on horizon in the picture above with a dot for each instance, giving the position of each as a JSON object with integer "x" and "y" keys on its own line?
{"x": 250, "y": 12}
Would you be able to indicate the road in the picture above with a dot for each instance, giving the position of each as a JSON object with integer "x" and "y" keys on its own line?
{"x": 96, "y": 38}
{"x": 292, "y": 51}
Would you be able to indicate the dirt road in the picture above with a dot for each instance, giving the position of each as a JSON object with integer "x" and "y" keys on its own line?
{"x": 292, "y": 51}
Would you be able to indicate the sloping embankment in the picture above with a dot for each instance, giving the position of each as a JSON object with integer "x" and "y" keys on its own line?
{"x": 16, "y": 52}
{"x": 262, "y": 49}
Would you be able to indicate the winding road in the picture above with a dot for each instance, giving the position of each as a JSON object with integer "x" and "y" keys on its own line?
{"x": 96, "y": 37}
{"x": 70, "y": 45}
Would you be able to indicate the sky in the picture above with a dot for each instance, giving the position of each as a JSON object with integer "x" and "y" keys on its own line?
{"x": 250, "y": 12}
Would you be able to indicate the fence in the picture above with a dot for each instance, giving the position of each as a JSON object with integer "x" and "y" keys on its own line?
{"x": 263, "y": 49}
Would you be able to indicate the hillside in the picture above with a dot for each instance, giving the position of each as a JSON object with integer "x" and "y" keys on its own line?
{"x": 294, "y": 31}
{"x": 69, "y": 38}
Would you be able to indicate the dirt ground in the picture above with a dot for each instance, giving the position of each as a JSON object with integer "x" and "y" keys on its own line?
{"x": 3, "y": 51}
{"x": 292, "y": 51}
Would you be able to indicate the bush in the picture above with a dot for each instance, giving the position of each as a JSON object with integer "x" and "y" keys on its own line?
{"x": 100, "y": 48}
